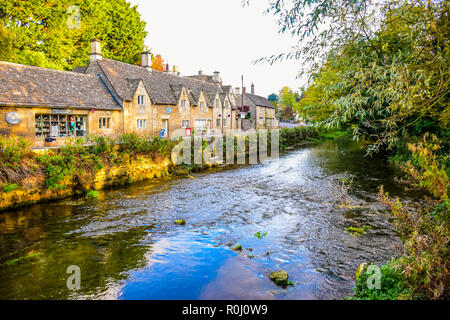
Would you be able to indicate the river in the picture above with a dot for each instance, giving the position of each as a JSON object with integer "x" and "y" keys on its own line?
{"x": 127, "y": 245}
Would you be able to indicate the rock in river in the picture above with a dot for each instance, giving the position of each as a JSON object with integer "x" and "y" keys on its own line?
{"x": 281, "y": 278}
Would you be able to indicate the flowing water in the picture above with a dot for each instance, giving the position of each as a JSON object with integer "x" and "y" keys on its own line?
{"x": 127, "y": 245}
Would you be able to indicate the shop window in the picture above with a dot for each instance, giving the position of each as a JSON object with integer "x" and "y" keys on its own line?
{"x": 60, "y": 126}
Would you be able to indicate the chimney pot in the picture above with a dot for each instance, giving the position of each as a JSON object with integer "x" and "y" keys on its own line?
{"x": 96, "y": 50}
{"x": 200, "y": 72}
{"x": 253, "y": 88}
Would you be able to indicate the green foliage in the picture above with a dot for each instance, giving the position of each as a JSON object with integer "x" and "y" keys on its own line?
{"x": 393, "y": 286}
{"x": 424, "y": 231}
{"x": 260, "y": 235}
{"x": 356, "y": 231}
{"x": 44, "y": 34}
{"x": 92, "y": 194}
{"x": 9, "y": 187}
{"x": 6, "y": 44}
{"x": 292, "y": 136}
{"x": 13, "y": 151}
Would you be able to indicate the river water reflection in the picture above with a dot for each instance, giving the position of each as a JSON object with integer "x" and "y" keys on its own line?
{"x": 128, "y": 247}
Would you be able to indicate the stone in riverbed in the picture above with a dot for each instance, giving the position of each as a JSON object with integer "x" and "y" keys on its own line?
{"x": 237, "y": 247}
{"x": 281, "y": 278}
{"x": 181, "y": 222}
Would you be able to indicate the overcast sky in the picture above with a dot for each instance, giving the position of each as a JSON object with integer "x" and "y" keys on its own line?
{"x": 220, "y": 35}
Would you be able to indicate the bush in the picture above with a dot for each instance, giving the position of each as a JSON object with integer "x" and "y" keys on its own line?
{"x": 9, "y": 187}
{"x": 13, "y": 150}
{"x": 392, "y": 285}
{"x": 425, "y": 232}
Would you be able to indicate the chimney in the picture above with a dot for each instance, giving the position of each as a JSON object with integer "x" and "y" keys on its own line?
{"x": 237, "y": 91}
{"x": 200, "y": 72}
{"x": 175, "y": 70}
{"x": 253, "y": 88}
{"x": 96, "y": 50}
{"x": 146, "y": 60}
{"x": 166, "y": 68}
{"x": 244, "y": 90}
{"x": 216, "y": 77}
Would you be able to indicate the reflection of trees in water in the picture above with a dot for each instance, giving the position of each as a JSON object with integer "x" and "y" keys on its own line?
{"x": 44, "y": 231}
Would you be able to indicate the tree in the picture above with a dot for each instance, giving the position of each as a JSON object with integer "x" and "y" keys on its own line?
{"x": 56, "y": 34}
{"x": 288, "y": 102}
{"x": 158, "y": 63}
{"x": 6, "y": 43}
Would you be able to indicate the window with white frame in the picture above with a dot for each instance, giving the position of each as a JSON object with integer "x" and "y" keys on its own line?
{"x": 202, "y": 106}
{"x": 200, "y": 124}
{"x": 141, "y": 100}
{"x": 224, "y": 122}
{"x": 104, "y": 123}
{"x": 183, "y": 104}
{"x": 261, "y": 120}
{"x": 141, "y": 124}
{"x": 185, "y": 124}
{"x": 217, "y": 103}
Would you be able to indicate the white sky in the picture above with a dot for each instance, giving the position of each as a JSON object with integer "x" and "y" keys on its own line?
{"x": 220, "y": 35}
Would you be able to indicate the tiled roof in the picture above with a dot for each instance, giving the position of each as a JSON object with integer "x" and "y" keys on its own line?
{"x": 22, "y": 85}
{"x": 161, "y": 86}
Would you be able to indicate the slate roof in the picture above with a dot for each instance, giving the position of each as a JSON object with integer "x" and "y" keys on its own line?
{"x": 29, "y": 86}
{"x": 163, "y": 87}
{"x": 255, "y": 100}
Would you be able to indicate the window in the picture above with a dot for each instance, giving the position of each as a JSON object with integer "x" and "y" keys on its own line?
{"x": 217, "y": 103}
{"x": 200, "y": 124}
{"x": 226, "y": 104}
{"x": 59, "y": 126}
{"x": 104, "y": 123}
{"x": 141, "y": 124}
{"x": 217, "y": 122}
{"x": 185, "y": 124}
{"x": 141, "y": 100}
{"x": 261, "y": 120}
{"x": 202, "y": 106}
{"x": 183, "y": 104}
{"x": 224, "y": 122}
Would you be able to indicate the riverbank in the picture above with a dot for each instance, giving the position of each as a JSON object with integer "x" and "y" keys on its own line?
{"x": 27, "y": 177}
{"x": 286, "y": 215}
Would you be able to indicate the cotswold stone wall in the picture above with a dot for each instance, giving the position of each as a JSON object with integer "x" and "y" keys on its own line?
{"x": 142, "y": 168}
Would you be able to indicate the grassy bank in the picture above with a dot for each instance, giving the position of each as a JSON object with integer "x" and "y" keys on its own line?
{"x": 422, "y": 271}
{"x": 28, "y": 177}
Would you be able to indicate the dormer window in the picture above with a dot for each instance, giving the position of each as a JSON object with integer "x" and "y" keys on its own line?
{"x": 217, "y": 103}
{"x": 141, "y": 100}
{"x": 226, "y": 104}
{"x": 202, "y": 106}
{"x": 183, "y": 104}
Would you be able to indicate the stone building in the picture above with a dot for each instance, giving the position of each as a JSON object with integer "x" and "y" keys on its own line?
{"x": 38, "y": 103}
{"x": 109, "y": 97}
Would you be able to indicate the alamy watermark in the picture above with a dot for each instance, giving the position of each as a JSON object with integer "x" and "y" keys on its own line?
{"x": 74, "y": 281}
{"x": 74, "y": 20}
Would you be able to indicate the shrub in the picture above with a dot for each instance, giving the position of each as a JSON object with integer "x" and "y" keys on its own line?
{"x": 392, "y": 285}
{"x": 9, "y": 187}
{"x": 13, "y": 150}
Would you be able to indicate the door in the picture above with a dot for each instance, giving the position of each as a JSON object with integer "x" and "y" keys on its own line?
{"x": 165, "y": 126}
